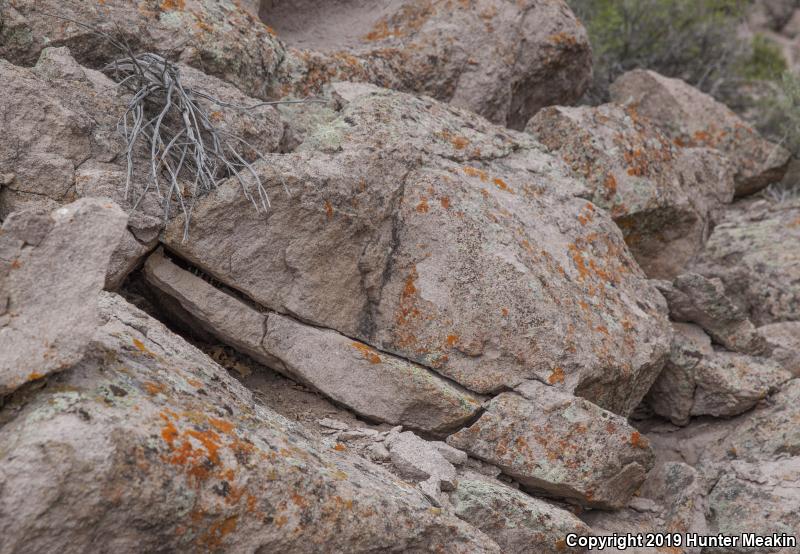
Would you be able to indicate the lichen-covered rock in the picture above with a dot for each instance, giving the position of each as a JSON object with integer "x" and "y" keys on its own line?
{"x": 374, "y": 384}
{"x": 503, "y": 60}
{"x": 695, "y": 299}
{"x": 559, "y": 445}
{"x": 219, "y": 38}
{"x": 516, "y": 521}
{"x": 148, "y": 446}
{"x": 755, "y": 252}
{"x": 66, "y": 145}
{"x": 665, "y": 199}
{"x": 52, "y": 269}
{"x": 419, "y": 460}
{"x": 700, "y": 381}
{"x": 784, "y": 341}
{"x": 672, "y": 500}
{"x": 757, "y": 498}
{"x": 428, "y": 233}
{"x": 693, "y": 118}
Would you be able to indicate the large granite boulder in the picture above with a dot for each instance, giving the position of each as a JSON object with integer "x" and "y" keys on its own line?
{"x": 428, "y": 233}
{"x": 52, "y": 269}
{"x": 665, "y": 199}
{"x": 147, "y": 445}
{"x": 503, "y": 60}
{"x": 693, "y": 118}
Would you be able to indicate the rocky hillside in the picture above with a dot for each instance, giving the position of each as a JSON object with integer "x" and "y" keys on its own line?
{"x": 472, "y": 318}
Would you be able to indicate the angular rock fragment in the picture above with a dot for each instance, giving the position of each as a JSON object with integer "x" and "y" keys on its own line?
{"x": 516, "y": 521}
{"x": 693, "y": 118}
{"x": 697, "y": 380}
{"x": 425, "y": 232}
{"x": 376, "y": 385}
{"x": 52, "y": 269}
{"x": 167, "y": 452}
{"x": 561, "y": 446}
{"x": 419, "y": 460}
{"x": 664, "y": 199}
{"x": 693, "y": 298}
{"x": 755, "y": 252}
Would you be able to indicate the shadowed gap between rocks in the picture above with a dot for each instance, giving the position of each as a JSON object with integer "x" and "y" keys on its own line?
{"x": 169, "y": 311}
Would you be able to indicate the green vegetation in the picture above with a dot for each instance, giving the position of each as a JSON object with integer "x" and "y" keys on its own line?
{"x": 695, "y": 40}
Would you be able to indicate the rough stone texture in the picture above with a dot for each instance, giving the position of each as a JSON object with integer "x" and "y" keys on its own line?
{"x": 693, "y": 298}
{"x": 515, "y": 521}
{"x": 65, "y": 143}
{"x": 699, "y": 381}
{"x": 52, "y": 268}
{"x": 371, "y": 383}
{"x": 559, "y": 445}
{"x": 428, "y": 233}
{"x": 761, "y": 498}
{"x": 664, "y": 198}
{"x": 419, "y": 460}
{"x": 693, "y": 118}
{"x": 672, "y": 501}
{"x": 502, "y": 60}
{"x": 219, "y": 38}
{"x": 760, "y": 271}
{"x": 784, "y": 340}
{"x": 148, "y": 445}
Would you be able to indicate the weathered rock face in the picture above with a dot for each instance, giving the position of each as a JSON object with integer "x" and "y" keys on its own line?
{"x": 746, "y": 492}
{"x": 665, "y": 199}
{"x": 52, "y": 268}
{"x": 699, "y": 381}
{"x": 672, "y": 500}
{"x": 371, "y": 383}
{"x": 428, "y": 233}
{"x": 166, "y": 452}
{"x": 695, "y": 299}
{"x": 560, "y": 446}
{"x": 517, "y": 522}
{"x": 759, "y": 271}
{"x": 502, "y": 60}
{"x": 692, "y": 118}
{"x": 219, "y": 38}
{"x": 784, "y": 341}
{"x": 66, "y": 145}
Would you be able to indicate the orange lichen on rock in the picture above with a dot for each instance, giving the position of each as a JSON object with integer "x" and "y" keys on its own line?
{"x": 328, "y": 209}
{"x": 369, "y": 354}
{"x": 173, "y": 4}
{"x": 475, "y": 172}
{"x": 422, "y": 207}
{"x": 501, "y": 184}
{"x": 445, "y": 202}
{"x": 557, "y": 376}
{"x": 638, "y": 441}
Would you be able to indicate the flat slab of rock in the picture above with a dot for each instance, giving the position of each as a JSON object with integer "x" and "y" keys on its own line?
{"x": 664, "y": 198}
{"x": 693, "y": 118}
{"x": 516, "y": 521}
{"x": 700, "y": 381}
{"x": 560, "y": 446}
{"x": 376, "y": 385}
{"x": 52, "y": 269}
{"x": 755, "y": 252}
{"x": 425, "y": 232}
{"x": 148, "y": 429}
